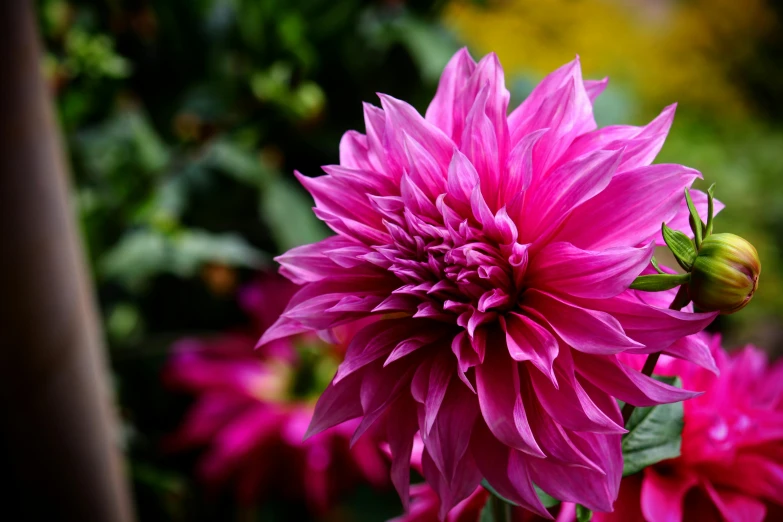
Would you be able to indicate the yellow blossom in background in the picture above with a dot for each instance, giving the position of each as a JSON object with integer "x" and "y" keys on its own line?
{"x": 665, "y": 50}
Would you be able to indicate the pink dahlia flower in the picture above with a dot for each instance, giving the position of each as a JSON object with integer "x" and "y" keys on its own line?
{"x": 252, "y": 418}
{"x": 731, "y": 467}
{"x": 497, "y": 250}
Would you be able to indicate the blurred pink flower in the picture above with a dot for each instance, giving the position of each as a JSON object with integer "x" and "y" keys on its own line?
{"x": 252, "y": 420}
{"x": 731, "y": 467}
{"x": 497, "y": 250}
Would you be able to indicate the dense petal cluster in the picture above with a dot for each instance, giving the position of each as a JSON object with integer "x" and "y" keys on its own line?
{"x": 731, "y": 467}
{"x": 253, "y": 424}
{"x": 496, "y": 250}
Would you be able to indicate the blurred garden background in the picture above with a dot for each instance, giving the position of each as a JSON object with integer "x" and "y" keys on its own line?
{"x": 185, "y": 119}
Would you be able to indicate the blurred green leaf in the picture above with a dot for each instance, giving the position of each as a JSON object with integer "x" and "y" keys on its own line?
{"x": 93, "y": 55}
{"x": 238, "y": 163}
{"x": 487, "y": 512}
{"x": 289, "y": 215}
{"x": 583, "y": 514}
{"x": 125, "y": 142}
{"x": 143, "y": 254}
{"x": 124, "y": 322}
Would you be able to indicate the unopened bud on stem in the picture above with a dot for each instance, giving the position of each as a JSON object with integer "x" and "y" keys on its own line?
{"x": 725, "y": 274}
{"x": 722, "y": 270}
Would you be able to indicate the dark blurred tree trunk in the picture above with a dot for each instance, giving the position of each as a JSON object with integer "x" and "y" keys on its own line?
{"x": 59, "y": 435}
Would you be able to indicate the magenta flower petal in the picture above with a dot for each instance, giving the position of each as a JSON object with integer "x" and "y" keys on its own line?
{"x": 496, "y": 248}
{"x": 562, "y": 268}
{"x": 493, "y": 459}
{"x": 637, "y": 216}
{"x": 591, "y": 488}
{"x": 627, "y": 384}
{"x": 731, "y": 465}
{"x": 735, "y": 506}
{"x": 586, "y": 330}
{"x": 501, "y": 405}
{"x": 662, "y": 497}
{"x": 594, "y": 88}
{"x": 529, "y": 341}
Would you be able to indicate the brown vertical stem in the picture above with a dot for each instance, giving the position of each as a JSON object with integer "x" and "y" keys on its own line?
{"x": 680, "y": 300}
{"x": 501, "y": 510}
{"x": 58, "y": 432}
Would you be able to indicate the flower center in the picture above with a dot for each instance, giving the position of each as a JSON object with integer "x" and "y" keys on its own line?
{"x": 453, "y": 277}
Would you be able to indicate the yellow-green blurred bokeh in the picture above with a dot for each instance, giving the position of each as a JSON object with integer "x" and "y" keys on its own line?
{"x": 695, "y": 53}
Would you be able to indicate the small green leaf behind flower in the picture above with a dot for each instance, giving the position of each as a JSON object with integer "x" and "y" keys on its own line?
{"x": 654, "y": 433}
{"x": 583, "y": 514}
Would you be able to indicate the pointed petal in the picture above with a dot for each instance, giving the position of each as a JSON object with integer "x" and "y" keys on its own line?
{"x": 493, "y": 460}
{"x": 372, "y": 342}
{"x": 638, "y": 218}
{"x": 594, "y": 88}
{"x": 569, "y": 404}
{"x": 440, "y": 376}
{"x": 593, "y": 490}
{"x": 354, "y": 151}
{"x": 529, "y": 341}
{"x": 655, "y": 328}
{"x": 626, "y": 384}
{"x": 550, "y": 202}
{"x": 446, "y": 110}
{"x": 562, "y": 268}
{"x": 497, "y": 382}
{"x": 450, "y": 435}
{"x": 586, "y": 330}
{"x": 338, "y": 403}
{"x": 401, "y": 428}
{"x": 403, "y": 119}
{"x": 642, "y": 144}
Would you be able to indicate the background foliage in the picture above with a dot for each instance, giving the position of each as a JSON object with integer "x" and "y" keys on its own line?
{"x": 185, "y": 119}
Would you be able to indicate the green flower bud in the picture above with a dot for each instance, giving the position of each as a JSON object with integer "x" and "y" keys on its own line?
{"x": 725, "y": 274}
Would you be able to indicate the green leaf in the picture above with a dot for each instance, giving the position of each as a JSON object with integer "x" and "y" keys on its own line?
{"x": 583, "y": 514}
{"x": 487, "y": 512}
{"x": 290, "y": 217}
{"x": 654, "y": 434}
{"x": 238, "y": 163}
{"x": 659, "y": 282}
{"x": 546, "y": 499}
{"x": 710, "y": 209}
{"x": 680, "y": 245}
{"x": 695, "y": 220}
{"x": 145, "y": 253}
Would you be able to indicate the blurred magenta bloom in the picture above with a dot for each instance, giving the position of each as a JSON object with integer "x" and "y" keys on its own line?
{"x": 731, "y": 467}
{"x": 251, "y": 417}
{"x": 497, "y": 250}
